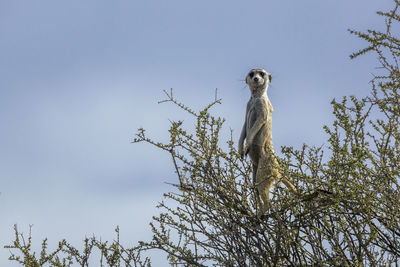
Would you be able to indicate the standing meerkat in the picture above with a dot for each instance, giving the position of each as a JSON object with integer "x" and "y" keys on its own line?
{"x": 257, "y": 130}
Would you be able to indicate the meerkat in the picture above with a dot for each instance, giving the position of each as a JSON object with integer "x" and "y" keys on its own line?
{"x": 257, "y": 130}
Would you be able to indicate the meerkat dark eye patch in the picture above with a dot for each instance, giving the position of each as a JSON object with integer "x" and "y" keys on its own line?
{"x": 262, "y": 74}
{"x": 251, "y": 74}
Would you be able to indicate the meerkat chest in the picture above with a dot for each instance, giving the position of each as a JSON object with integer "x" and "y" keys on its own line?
{"x": 251, "y": 116}
{"x": 258, "y": 107}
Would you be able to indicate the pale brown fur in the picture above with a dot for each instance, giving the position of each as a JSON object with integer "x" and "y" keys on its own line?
{"x": 257, "y": 130}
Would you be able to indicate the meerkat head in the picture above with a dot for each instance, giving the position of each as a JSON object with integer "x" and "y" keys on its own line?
{"x": 258, "y": 79}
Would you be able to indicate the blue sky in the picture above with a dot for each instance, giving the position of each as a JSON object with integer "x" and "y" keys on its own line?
{"x": 79, "y": 77}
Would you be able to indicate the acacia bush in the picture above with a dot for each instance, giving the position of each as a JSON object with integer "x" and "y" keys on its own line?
{"x": 209, "y": 217}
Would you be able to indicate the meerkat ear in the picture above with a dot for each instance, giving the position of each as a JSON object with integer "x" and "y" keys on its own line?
{"x": 270, "y": 77}
{"x": 246, "y": 79}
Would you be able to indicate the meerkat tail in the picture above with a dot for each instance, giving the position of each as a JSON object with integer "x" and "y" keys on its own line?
{"x": 289, "y": 185}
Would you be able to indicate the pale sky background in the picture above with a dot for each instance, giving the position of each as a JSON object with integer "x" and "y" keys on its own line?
{"x": 77, "y": 78}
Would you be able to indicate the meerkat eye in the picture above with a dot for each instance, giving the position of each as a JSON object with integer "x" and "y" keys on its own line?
{"x": 262, "y": 74}
{"x": 251, "y": 74}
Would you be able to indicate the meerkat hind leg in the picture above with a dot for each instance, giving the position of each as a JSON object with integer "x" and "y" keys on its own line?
{"x": 264, "y": 182}
{"x": 257, "y": 195}
{"x": 263, "y": 189}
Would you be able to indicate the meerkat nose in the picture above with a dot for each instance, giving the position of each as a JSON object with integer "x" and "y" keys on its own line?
{"x": 256, "y": 79}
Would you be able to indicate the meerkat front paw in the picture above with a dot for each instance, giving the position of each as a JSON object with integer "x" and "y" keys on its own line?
{"x": 241, "y": 151}
{"x": 246, "y": 149}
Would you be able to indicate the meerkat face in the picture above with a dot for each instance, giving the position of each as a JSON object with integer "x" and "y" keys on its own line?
{"x": 258, "y": 78}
